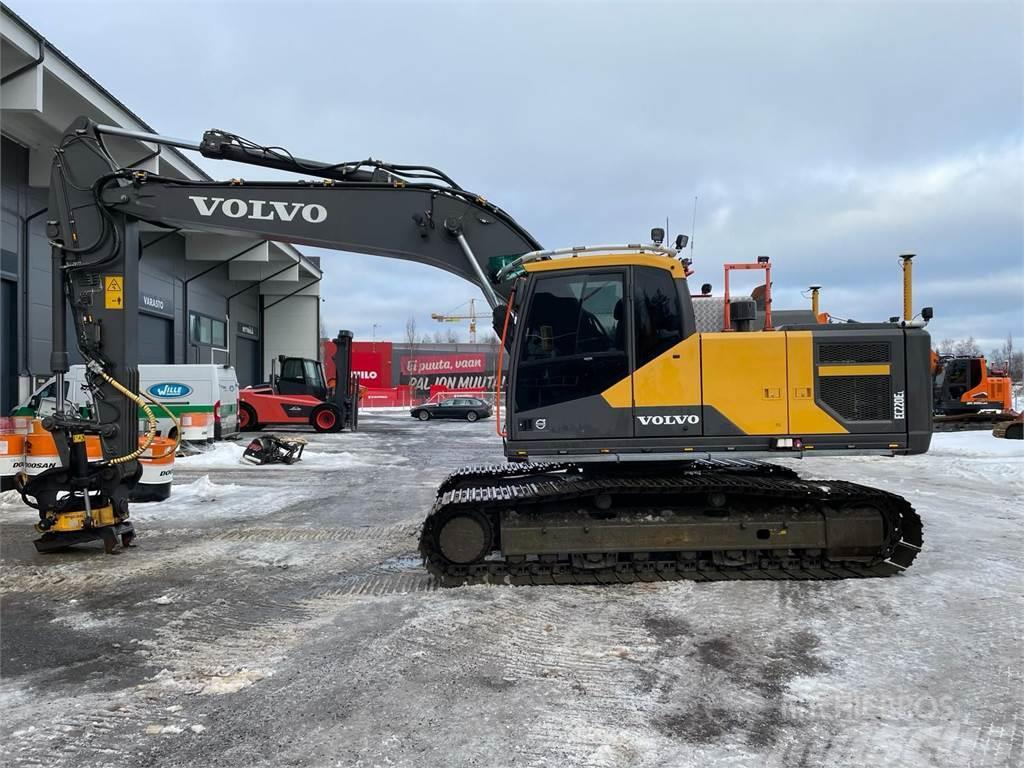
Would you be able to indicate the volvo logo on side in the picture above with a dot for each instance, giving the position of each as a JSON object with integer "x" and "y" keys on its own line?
{"x": 664, "y": 421}
{"x": 259, "y": 210}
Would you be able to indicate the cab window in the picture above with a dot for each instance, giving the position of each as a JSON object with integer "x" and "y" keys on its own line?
{"x": 659, "y": 324}
{"x": 312, "y": 372}
{"x": 291, "y": 370}
{"x": 574, "y": 343}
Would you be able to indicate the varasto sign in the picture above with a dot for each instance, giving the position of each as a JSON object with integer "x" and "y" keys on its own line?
{"x": 168, "y": 389}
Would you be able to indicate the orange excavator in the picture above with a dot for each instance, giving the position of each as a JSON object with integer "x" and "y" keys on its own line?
{"x": 969, "y": 393}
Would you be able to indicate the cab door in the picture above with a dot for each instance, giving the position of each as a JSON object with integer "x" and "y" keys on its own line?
{"x": 573, "y": 346}
{"x": 667, "y": 379}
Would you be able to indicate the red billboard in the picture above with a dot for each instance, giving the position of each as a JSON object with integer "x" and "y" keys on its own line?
{"x": 433, "y": 365}
{"x": 371, "y": 362}
{"x": 385, "y": 364}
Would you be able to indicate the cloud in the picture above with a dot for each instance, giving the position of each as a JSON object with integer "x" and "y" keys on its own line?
{"x": 832, "y": 137}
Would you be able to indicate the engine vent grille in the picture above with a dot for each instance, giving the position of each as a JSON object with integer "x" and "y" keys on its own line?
{"x": 857, "y": 398}
{"x": 861, "y": 352}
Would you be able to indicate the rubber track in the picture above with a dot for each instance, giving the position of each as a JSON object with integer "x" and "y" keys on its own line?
{"x": 489, "y": 489}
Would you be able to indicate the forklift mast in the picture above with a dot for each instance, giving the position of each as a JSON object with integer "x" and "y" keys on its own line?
{"x": 345, "y": 393}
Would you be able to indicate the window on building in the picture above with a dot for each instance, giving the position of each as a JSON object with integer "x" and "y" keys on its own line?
{"x": 207, "y": 331}
{"x": 219, "y": 333}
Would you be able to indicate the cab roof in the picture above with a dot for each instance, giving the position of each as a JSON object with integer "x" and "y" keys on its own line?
{"x": 592, "y": 260}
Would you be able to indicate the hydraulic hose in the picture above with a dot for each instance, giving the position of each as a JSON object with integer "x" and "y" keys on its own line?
{"x": 150, "y": 418}
{"x": 174, "y": 420}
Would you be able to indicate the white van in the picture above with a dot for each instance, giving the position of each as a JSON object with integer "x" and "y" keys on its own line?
{"x": 204, "y": 398}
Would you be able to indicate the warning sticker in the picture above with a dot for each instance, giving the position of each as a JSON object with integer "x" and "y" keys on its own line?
{"x": 113, "y": 291}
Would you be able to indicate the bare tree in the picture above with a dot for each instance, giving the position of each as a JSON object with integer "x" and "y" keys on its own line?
{"x": 967, "y": 346}
{"x": 946, "y": 346}
{"x": 438, "y": 337}
{"x": 1008, "y": 357}
{"x": 410, "y": 330}
{"x": 451, "y": 336}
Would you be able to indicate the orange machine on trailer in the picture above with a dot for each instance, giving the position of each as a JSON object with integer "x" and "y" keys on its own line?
{"x": 969, "y": 393}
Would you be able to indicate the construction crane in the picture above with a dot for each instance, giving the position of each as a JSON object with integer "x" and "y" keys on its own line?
{"x": 634, "y": 430}
{"x": 453, "y": 318}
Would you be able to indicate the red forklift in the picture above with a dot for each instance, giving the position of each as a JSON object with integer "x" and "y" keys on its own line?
{"x": 299, "y": 394}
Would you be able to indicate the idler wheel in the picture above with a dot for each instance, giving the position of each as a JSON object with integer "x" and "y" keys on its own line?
{"x": 465, "y": 538}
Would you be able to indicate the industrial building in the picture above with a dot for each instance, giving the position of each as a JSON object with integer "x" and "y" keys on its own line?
{"x": 202, "y": 297}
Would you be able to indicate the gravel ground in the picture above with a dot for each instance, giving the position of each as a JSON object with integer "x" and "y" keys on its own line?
{"x": 280, "y": 617}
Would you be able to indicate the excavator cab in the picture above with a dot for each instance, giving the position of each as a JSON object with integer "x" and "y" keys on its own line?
{"x": 583, "y": 334}
{"x": 965, "y": 385}
{"x": 610, "y": 363}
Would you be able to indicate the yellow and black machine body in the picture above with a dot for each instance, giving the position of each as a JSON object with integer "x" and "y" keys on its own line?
{"x": 609, "y": 361}
{"x": 637, "y": 420}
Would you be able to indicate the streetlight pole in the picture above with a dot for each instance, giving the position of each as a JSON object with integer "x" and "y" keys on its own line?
{"x": 373, "y": 334}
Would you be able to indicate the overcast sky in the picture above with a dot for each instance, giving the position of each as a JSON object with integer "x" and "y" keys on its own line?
{"x": 831, "y": 137}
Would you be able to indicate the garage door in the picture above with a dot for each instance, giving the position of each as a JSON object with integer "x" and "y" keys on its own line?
{"x": 9, "y": 345}
{"x": 247, "y": 361}
{"x": 156, "y": 339}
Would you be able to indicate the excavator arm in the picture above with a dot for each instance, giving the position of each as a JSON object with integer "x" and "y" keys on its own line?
{"x": 407, "y": 212}
{"x": 413, "y": 213}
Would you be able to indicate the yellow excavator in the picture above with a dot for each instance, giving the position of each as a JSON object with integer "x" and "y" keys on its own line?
{"x": 636, "y": 419}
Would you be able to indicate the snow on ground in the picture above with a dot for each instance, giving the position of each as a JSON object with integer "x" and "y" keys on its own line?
{"x": 228, "y": 455}
{"x": 279, "y": 616}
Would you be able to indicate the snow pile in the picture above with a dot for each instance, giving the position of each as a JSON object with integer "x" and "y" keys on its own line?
{"x": 11, "y": 500}
{"x": 223, "y": 499}
{"x": 229, "y": 456}
{"x": 223, "y": 455}
{"x": 978, "y": 456}
{"x": 215, "y": 683}
{"x": 203, "y": 491}
{"x": 975, "y": 444}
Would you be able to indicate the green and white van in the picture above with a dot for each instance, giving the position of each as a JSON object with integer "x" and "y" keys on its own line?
{"x": 203, "y": 398}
